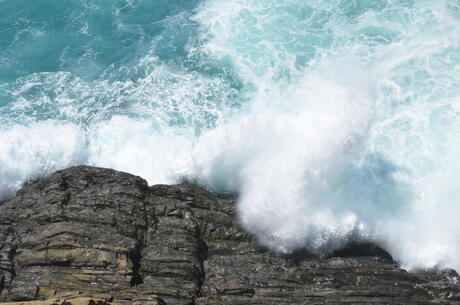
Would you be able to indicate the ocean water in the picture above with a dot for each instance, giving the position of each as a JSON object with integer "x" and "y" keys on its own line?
{"x": 335, "y": 120}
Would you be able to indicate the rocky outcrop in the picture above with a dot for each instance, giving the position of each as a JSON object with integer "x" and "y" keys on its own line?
{"x": 96, "y": 236}
{"x": 71, "y": 301}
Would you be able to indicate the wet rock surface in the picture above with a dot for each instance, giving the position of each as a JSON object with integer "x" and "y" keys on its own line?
{"x": 97, "y": 233}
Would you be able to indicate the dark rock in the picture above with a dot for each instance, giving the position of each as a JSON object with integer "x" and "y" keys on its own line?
{"x": 362, "y": 249}
{"x": 98, "y": 233}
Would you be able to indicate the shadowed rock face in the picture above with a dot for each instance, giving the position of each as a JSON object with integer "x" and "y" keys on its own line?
{"x": 92, "y": 232}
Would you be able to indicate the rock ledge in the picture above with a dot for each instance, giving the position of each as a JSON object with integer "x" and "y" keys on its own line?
{"x": 93, "y": 236}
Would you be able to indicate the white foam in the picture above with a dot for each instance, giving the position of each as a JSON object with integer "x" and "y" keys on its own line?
{"x": 279, "y": 155}
{"x": 302, "y": 183}
{"x": 36, "y": 150}
{"x": 135, "y": 146}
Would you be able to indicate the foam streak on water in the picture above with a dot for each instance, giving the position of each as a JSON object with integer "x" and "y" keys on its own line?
{"x": 335, "y": 120}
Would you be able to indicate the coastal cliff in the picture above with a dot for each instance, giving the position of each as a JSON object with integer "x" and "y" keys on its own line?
{"x": 92, "y": 236}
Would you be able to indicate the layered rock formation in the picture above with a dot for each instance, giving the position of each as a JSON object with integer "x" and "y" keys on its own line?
{"x": 94, "y": 236}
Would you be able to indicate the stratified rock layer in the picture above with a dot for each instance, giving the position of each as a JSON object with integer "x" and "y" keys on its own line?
{"x": 97, "y": 233}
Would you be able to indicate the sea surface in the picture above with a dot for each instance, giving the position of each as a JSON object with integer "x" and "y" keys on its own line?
{"x": 335, "y": 120}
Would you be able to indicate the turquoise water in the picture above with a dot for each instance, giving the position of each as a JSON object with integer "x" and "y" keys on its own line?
{"x": 335, "y": 119}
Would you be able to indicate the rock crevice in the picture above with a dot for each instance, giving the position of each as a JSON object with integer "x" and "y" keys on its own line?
{"x": 88, "y": 232}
